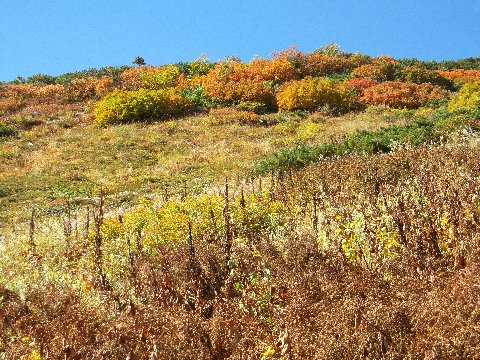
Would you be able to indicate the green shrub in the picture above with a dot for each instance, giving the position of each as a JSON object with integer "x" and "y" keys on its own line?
{"x": 110, "y": 71}
{"x": 418, "y": 74}
{"x": 383, "y": 140}
{"x": 127, "y": 106}
{"x": 197, "y": 96}
{"x": 314, "y": 93}
{"x": 199, "y": 67}
{"x": 41, "y": 80}
{"x": 450, "y": 122}
{"x": 370, "y": 142}
{"x": 467, "y": 99}
{"x": 6, "y": 130}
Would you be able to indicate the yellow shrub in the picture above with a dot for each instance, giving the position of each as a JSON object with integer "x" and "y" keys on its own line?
{"x": 160, "y": 78}
{"x": 467, "y": 98}
{"x": 127, "y": 106}
{"x": 314, "y": 93}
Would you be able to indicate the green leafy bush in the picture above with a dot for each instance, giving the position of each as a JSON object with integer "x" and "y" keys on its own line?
{"x": 41, "y": 80}
{"x": 6, "y": 130}
{"x": 471, "y": 63}
{"x": 418, "y": 74}
{"x": 198, "y": 67}
{"x": 197, "y": 95}
{"x": 127, "y": 106}
{"x": 370, "y": 142}
{"x": 110, "y": 71}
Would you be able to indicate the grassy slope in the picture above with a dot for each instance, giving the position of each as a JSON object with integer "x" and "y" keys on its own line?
{"x": 48, "y": 164}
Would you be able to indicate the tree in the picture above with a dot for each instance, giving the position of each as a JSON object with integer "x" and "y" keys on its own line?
{"x": 138, "y": 61}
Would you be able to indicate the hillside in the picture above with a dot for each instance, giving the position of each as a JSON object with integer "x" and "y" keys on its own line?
{"x": 320, "y": 205}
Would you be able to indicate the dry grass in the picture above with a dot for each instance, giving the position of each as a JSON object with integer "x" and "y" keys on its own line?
{"x": 51, "y": 162}
{"x": 405, "y": 288}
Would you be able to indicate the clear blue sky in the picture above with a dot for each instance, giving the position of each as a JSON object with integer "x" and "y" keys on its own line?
{"x": 58, "y": 36}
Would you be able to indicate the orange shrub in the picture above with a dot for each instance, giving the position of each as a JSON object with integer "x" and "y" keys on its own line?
{"x": 398, "y": 94}
{"x": 461, "y": 75}
{"x": 379, "y": 71}
{"x": 240, "y": 90}
{"x": 381, "y": 68}
{"x": 9, "y": 105}
{"x": 82, "y": 89}
{"x": 313, "y": 93}
{"x": 131, "y": 79}
{"x": 18, "y": 91}
{"x": 318, "y": 64}
{"x": 14, "y": 97}
{"x": 360, "y": 84}
{"x": 103, "y": 85}
{"x": 384, "y": 59}
{"x": 278, "y": 70}
{"x": 231, "y": 82}
{"x": 51, "y": 94}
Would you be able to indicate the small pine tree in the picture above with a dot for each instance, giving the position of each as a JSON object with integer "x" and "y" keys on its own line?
{"x": 138, "y": 61}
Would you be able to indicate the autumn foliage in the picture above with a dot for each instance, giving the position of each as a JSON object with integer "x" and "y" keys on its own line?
{"x": 397, "y": 94}
{"x": 360, "y": 84}
{"x": 290, "y": 80}
{"x": 313, "y": 93}
{"x": 468, "y": 98}
{"x": 461, "y": 75}
{"x": 127, "y": 106}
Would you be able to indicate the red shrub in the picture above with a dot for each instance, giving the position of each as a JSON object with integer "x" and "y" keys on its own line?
{"x": 360, "y": 84}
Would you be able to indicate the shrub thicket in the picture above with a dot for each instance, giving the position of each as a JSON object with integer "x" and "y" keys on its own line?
{"x": 7, "y": 130}
{"x": 419, "y": 75}
{"x": 231, "y": 82}
{"x": 381, "y": 68}
{"x": 369, "y": 142}
{"x": 468, "y": 98}
{"x": 127, "y": 106}
{"x": 398, "y": 94}
{"x": 318, "y": 64}
{"x": 160, "y": 78}
{"x": 461, "y": 75}
{"x": 313, "y": 93}
{"x": 360, "y": 84}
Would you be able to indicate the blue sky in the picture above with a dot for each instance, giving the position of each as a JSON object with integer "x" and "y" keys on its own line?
{"x": 57, "y": 36}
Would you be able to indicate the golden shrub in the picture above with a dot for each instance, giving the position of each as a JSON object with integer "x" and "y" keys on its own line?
{"x": 313, "y": 93}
